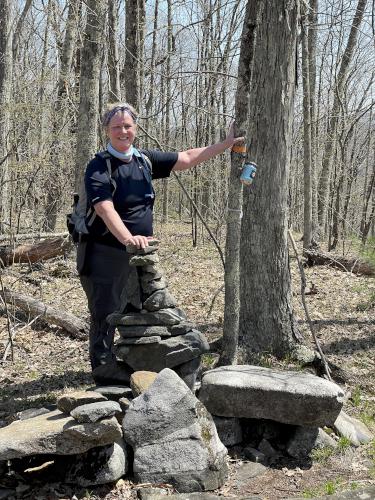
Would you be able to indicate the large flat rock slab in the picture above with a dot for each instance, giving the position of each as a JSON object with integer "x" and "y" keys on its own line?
{"x": 56, "y": 433}
{"x": 254, "y": 392}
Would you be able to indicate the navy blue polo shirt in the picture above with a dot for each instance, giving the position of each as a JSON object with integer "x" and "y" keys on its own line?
{"x": 133, "y": 197}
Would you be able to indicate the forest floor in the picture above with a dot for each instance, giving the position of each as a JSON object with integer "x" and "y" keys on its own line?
{"x": 47, "y": 361}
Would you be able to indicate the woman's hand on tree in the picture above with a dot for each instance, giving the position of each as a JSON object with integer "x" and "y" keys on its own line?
{"x": 230, "y": 140}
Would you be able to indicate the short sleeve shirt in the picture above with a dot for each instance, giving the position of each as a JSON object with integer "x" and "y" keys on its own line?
{"x": 130, "y": 189}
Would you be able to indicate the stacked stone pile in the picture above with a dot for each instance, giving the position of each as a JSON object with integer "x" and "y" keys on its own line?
{"x": 157, "y": 335}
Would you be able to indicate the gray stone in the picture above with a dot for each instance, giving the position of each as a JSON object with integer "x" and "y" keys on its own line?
{"x": 359, "y": 494}
{"x": 304, "y": 354}
{"x": 246, "y": 471}
{"x": 182, "y": 328}
{"x": 171, "y": 316}
{"x": 124, "y": 404}
{"x": 93, "y": 412}
{"x": 30, "y": 413}
{"x": 114, "y": 392}
{"x": 174, "y": 437}
{"x": 168, "y": 352}
{"x": 147, "y": 277}
{"x": 67, "y": 402}
{"x": 305, "y": 439}
{"x": 97, "y": 466}
{"x": 353, "y": 429}
{"x": 144, "y": 260}
{"x": 189, "y": 372}
{"x": 133, "y": 250}
{"x": 267, "y": 449}
{"x": 255, "y": 392}
{"x": 150, "y": 269}
{"x": 160, "y": 299}
{"x": 148, "y": 494}
{"x": 139, "y": 340}
{"x": 143, "y": 331}
{"x": 153, "y": 286}
{"x": 229, "y": 430}
{"x": 56, "y": 433}
{"x": 254, "y": 455}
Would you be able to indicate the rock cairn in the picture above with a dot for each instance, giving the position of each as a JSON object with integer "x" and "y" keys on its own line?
{"x": 155, "y": 334}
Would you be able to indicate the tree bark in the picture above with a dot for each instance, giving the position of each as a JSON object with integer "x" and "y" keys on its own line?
{"x": 113, "y": 55}
{"x": 30, "y": 253}
{"x": 87, "y": 133}
{"x": 232, "y": 253}
{"x": 266, "y": 317}
{"x": 5, "y": 100}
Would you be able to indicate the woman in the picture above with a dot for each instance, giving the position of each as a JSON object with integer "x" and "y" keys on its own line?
{"x": 121, "y": 205}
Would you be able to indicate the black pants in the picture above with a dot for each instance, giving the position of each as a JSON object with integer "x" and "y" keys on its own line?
{"x": 104, "y": 280}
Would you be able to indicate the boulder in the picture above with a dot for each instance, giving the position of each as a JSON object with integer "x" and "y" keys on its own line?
{"x": 353, "y": 429}
{"x": 141, "y": 381}
{"x": 67, "y": 402}
{"x": 254, "y": 392}
{"x": 56, "y": 433}
{"x": 167, "y": 353}
{"x": 97, "y": 466}
{"x": 143, "y": 331}
{"x": 254, "y": 455}
{"x": 170, "y": 316}
{"x": 161, "y": 299}
{"x": 305, "y": 439}
{"x": 93, "y": 412}
{"x": 174, "y": 437}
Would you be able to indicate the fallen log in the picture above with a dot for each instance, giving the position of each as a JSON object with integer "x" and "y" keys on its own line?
{"x": 31, "y": 253}
{"x": 356, "y": 266}
{"x": 75, "y": 326}
{"x": 30, "y": 236}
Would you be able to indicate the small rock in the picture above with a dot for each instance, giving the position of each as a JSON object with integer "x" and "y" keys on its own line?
{"x": 246, "y": 471}
{"x": 140, "y": 381}
{"x": 160, "y": 299}
{"x": 93, "y": 412}
{"x": 134, "y": 250}
{"x": 139, "y": 340}
{"x": 71, "y": 400}
{"x": 305, "y": 439}
{"x": 143, "y": 331}
{"x": 124, "y": 404}
{"x": 151, "y": 269}
{"x": 181, "y": 328}
{"x": 353, "y": 429}
{"x": 170, "y": 316}
{"x": 254, "y": 455}
{"x": 304, "y": 354}
{"x": 267, "y": 449}
{"x": 114, "y": 392}
{"x": 30, "y": 413}
{"x": 151, "y": 493}
{"x": 189, "y": 372}
{"x": 144, "y": 260}
{"x": 153, "y": 286}
{"x": 229, "y": 430}
{"x": 147, "y": 277}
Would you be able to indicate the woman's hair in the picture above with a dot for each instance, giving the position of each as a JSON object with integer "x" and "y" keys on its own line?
{"x": 114, "y": 108}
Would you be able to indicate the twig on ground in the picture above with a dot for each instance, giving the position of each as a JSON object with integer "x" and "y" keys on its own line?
{"x": 303, "y": 296}
{"x": 216, "y": 294}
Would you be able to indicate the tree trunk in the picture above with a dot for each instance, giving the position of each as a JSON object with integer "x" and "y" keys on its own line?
{"x": 266, "y": 317}
{"x": 87, "y": 136}
{"x": 5, "y": 100}
{"x": 113, "y": 56}
{"x": 233, "y": 237}
{"x": 130, "y": 72}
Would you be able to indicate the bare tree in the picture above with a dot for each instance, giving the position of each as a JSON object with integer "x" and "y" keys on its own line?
{"x": 266, "y": 316}
{"x": 87, "y": 137}
{"x": 113, "y": 55}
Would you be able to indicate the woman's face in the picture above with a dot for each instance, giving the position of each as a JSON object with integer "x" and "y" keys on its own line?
{"x": 121, "y": 131}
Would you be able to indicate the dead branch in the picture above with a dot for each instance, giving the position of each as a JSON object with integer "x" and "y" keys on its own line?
{"x": 303, "y": 296}
{"x": 31, "y": 236}
{"x": 51, "y": 315}
{"x": 355, "y": 266}
{"x": 30, "y": 253}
